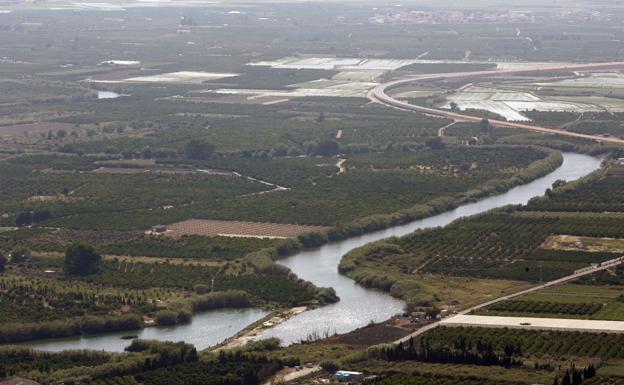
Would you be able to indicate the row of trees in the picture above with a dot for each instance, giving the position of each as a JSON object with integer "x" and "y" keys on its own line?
{"x": 542, "y": 307}
{"x": 80, "y": 259}
{"x": 15, "y": 360}
{"x": 481, "y": 353}
{"x": 202, "y": 150}
{"x": 19, "y": 332}
{"x": 28, "y": 218}
{"x": 575, "y": 376}
{"x": 530, "y": 342}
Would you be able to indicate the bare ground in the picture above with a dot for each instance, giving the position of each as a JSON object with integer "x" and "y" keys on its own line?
{"x": 208, "y": 227}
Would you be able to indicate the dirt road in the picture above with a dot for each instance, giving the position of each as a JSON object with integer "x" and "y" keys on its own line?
{"x": 379, "y": 94}
{"x": 290, "y": 374}
{"x": 441, "y": 129}
{"x": 341, "y": 166}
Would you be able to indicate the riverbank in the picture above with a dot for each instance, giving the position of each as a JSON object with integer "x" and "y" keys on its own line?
{"x": 255, "y": 330}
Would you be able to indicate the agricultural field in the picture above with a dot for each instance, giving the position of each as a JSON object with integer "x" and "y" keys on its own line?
{"x": 473, "y": 355}
{"x": 511, "y": 104}
{"x": 145, "y": 362}
{"x": 584, "y": 109}
{"x": 181, "y": 77}
{"x": 238, "y": 229}
{"x": 581, "y": 300}
{"x": 41, "y": 299}
{"x": 309, "y": 191}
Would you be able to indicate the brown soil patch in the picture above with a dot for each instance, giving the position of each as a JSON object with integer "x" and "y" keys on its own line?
{"x": 56, "y": 171}
{"x": 128, "y": 162}
{"x": 222, "y": 98}
{"x": 120, "y": 74}
{"x": 209, "y": 227}
{"x": 206, "y": 115}
{"x": 371, "y": 335}
{"x": 589, "y": 244}
{"x": 118, "y": 170}
{"x": 52, "y": 198}
{"x": 171, "y": 261}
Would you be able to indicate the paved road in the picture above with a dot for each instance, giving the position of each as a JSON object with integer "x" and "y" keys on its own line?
{"x": 379, "y": 94}
{"x": 579, "y": 273}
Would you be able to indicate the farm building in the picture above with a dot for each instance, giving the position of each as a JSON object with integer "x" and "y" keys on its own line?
{"x": 159, "y": 229}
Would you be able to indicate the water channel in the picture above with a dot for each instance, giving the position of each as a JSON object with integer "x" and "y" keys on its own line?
{"x": 358, "y": 306}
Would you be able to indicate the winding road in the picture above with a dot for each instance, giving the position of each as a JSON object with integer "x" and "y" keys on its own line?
{"x": 380, "y": 94}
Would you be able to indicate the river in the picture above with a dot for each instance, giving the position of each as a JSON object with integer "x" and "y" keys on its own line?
{"x": 357, "y": 307}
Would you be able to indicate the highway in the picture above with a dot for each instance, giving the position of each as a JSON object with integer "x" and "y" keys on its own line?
{"x": 379, "y": 94}
{"x": 577, "y": 274}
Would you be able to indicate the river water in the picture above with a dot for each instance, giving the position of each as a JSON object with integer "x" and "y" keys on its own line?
{"x": 357, "y": 307}
{"x": 205, "y": 329}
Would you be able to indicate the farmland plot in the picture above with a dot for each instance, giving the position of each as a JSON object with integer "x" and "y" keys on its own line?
{"x": 17, "y": 129}
{"x": 181, "y": 77}
{"x": 510, "y": 104}
{"x": 209, "y": 227}
{"x": 358, "y": 76}
{"x": 321, "y": 87}
{"x": 330, "y": 63}
{"x": 367, "y": 64}
{"x": 594, "y": 80}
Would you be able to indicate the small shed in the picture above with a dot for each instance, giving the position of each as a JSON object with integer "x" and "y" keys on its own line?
{"x": 159, "y": 229}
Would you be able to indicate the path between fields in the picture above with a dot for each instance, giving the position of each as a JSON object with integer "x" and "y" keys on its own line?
{"x": 441, "y": 129}
{"x": 378, "y": 94}
{"x": 291, "y": 374}
{"x": 341, "y": 166}
{"x": 579, "y": 273}
{"x": 275, "y": 186}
